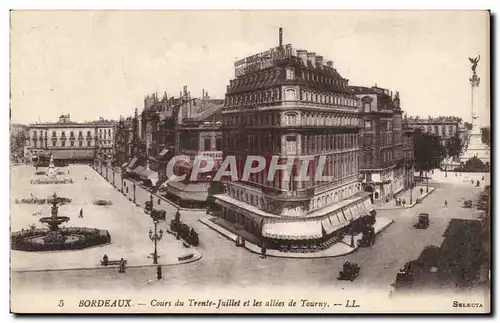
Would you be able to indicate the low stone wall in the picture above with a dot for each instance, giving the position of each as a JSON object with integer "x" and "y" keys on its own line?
{"x": 25, "y": 240}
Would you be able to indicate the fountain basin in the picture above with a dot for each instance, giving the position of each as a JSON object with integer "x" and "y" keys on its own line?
{"x": 70, "y": 238}
{"x": 49, "y": 180}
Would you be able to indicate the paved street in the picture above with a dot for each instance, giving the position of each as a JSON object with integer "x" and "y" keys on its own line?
{"x": 126, "y": 223}
{"x": 223, "y": 263}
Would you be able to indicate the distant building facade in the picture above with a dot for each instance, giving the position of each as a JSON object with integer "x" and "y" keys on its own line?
{"x": 19, "y": 141}
{"x": 443, "y": 127}
{"x": 70, "y": 141}
{"x": 386, "y": 152}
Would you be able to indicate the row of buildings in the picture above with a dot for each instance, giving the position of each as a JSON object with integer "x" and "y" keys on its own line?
{"x": 70, "y": 141}
{"x": 282, "y": 102}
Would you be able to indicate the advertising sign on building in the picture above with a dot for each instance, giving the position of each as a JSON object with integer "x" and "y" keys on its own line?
{"x": 263, "y": 60}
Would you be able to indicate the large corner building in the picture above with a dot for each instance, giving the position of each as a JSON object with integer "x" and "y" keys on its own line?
{"x": 291, "y": 103}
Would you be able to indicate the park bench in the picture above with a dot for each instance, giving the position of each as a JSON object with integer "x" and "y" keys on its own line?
{"x": 113, "y": 262}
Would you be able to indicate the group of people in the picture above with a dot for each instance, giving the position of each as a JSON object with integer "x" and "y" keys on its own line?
{"x": 400, "y": 202}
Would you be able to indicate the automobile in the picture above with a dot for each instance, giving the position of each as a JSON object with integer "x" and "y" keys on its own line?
{"x": 349, "y": 271}
{"x": 423, "y": 221}
{"x": 368, "y": 237}
{"x": 467, "y": 204}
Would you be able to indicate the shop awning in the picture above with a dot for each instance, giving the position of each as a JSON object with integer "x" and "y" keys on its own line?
{"x": 327, "y": 225}
{"x": 73, "y": 154}
{"x": 138, "y": 170}
{"x": 150, "y": 175}
{"x": 347, "y": 213}
{"x": 132, "y": 163}
{"x": 368, "y": 204}
{"x": 163, "y": 154}
{"x": 293, "y": 230}
{"x": 190, "y": 191}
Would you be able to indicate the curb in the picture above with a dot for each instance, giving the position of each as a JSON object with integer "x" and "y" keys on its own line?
{"x": 406, "y": 207}
{"x": 111, "y": 267}
{"x": 154, "y": 194}
{"x": 221, "y": 230}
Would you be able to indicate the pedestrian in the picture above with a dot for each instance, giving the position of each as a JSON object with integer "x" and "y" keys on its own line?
{"x": 81, "y": 213}
{"x": 421, "y": 191}
{"x": 105, "y": 260}
{"x": 263, "y": 251}
{"x": 404, "y": 202}
{"x": 122, "y": 267}
{"x": 445, "y": 203}
{"x": 158, "y": 272}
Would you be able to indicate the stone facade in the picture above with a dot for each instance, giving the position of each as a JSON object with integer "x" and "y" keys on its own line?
{"x": 296, "y": 106}
{"x": 72, "y": 141}
{"x": 386, "y": 151}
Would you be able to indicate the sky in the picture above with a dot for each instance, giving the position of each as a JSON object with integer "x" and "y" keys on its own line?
{"x": 95, "y": 64}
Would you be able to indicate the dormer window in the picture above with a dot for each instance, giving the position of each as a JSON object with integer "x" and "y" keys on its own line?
{"x": 290, "y": 74}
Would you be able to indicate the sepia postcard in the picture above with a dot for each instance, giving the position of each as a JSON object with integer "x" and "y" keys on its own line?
{"x": 250, "y": 162}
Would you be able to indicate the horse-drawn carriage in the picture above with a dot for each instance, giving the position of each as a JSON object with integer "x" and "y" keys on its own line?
{"x": 368, "y": 238}
{"x": 423, "y": 221}
{"x": 349, "y": 271}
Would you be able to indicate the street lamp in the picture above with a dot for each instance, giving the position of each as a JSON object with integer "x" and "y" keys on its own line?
{"x": 427, "y": 180}
{"x": 155, "y": 237}
{"x": 151, "y": 197}
{"x": 352, "y": 233}
{"x": 134, "y": 191}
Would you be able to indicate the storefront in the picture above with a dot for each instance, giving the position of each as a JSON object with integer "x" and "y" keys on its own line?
{"x": 318, "y": 230}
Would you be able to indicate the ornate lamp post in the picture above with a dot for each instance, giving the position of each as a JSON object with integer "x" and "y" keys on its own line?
{"x": 352, "y": 233}
{"x": 427, "y": 180}
{"x": 155, "y": 237}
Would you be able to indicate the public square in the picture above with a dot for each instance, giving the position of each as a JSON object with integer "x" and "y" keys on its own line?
{"x": 127, "y": 224}
{"x": 222, "y": 263}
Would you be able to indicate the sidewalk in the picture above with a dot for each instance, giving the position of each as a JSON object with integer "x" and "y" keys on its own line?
{"x": 336, "y": 250}
{"x": 130, "y": 194}
{"x": 391, "y": 205}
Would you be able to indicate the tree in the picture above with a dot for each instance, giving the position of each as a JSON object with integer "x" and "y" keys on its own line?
{"x": 486, "y": 136}
{"x": 468, "y": 125}
{"x": 454, "y": 146}
{"x": 428, "y": 152}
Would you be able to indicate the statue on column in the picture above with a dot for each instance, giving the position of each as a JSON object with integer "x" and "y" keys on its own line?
{"x": 474, "y": 62}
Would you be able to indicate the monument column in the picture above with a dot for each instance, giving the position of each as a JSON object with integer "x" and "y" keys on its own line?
{"x": 475, "y": 147}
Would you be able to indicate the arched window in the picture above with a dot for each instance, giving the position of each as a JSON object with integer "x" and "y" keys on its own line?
{"x": 291, "y": 118}
{"x": 290, "y": 95}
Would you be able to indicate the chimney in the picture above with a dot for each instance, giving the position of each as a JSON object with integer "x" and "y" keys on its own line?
{"x": 319, "y": 61}
{"x": 281, "y": 36}
{"x": 329, "y": 64}
{"x": 203, "y": 93}
{"x": 302, "y": 54}
{"x": 311, "y": 58}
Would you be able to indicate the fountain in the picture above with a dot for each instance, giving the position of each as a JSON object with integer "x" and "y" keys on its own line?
{"x": 51, "y": 176}
{"x": 55, "y": 238}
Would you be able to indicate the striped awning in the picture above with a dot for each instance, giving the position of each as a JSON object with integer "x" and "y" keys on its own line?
{"x": 73, "y": 154}
{"x": 132, "y": 163}
{"x": 327, "y": 225}
{"x": 147, "y": 174}
{"x": 293, "y": 230}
